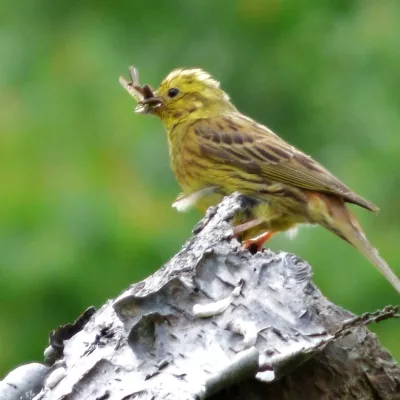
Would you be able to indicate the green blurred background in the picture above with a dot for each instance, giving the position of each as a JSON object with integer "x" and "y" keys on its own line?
{"x": 86, "y": 192}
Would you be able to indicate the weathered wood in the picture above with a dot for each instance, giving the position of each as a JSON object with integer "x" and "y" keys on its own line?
{"x": 218, "y": 322}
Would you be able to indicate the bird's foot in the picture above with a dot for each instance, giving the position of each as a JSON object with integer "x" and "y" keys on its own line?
{"x": 255, "y": 245}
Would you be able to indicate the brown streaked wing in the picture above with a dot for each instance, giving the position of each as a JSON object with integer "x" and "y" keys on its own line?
{"x": 254, "y": 148}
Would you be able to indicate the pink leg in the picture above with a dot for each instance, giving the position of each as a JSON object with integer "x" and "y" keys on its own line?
{"x": 238, "y": 229}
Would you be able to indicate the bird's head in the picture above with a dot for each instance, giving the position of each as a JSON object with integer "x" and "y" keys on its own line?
{"x": 185, "y": 94}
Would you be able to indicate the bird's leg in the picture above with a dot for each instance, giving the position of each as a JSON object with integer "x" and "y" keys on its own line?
{"x": 255, "y": 245}
{"x": 238, "y": 229}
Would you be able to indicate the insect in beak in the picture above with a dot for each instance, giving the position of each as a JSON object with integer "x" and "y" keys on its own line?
{"x": 144, "y": 95}
{"x": 149, "y": 102}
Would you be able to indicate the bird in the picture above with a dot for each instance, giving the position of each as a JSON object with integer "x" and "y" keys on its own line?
{"x": 216, "y": 150}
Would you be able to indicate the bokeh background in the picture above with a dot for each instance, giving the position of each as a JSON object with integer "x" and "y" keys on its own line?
{"x": 86, "y": 192}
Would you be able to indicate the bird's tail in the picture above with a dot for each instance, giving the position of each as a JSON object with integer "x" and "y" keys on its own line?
{"x": 340, "y": 221}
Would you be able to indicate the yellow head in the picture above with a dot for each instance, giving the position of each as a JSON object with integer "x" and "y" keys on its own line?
{"x": 187, "y": 94}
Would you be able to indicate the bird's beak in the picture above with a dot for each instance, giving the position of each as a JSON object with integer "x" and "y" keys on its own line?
{"x": 150, "y": 101}
{"x": 148, "y": 104}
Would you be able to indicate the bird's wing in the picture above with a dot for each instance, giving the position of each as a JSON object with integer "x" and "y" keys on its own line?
{"x": 239, "y": 141}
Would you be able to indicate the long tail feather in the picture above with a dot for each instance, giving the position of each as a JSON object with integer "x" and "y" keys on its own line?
{"x": 360, "y": 242}
{"x": 344, "y": 224}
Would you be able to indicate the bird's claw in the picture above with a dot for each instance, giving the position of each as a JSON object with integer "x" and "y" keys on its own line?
{"x": 256, "y": 244}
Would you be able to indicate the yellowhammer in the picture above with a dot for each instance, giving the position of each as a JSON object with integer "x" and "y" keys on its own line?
{"x": 215, "y": 150}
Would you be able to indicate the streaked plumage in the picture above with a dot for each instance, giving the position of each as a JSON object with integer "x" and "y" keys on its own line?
{"x": 215, "y": 150}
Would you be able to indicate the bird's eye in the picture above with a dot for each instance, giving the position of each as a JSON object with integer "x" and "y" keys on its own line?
{"x": 173, "y": 92}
